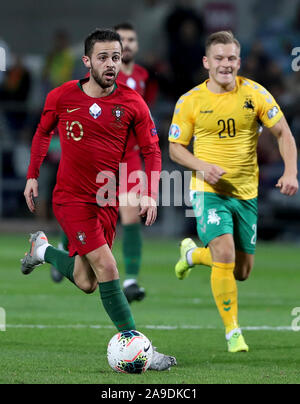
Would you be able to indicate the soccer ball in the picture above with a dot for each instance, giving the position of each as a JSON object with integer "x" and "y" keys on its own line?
{"x": 129, "y": 352}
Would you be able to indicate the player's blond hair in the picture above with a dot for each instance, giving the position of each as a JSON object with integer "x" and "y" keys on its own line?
{"x": 223, "y": 37}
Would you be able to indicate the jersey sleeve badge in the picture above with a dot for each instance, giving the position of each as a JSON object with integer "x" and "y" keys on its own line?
{"x": 273, "y": 112}
{"x": 174, "y": 131}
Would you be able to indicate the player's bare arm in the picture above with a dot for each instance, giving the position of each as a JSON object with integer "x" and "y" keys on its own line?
{"x": 152, "y": 159}
{"x": 30, "y": 192}
{"x": 288, "y": 182}
{"x": 181, "y": 155}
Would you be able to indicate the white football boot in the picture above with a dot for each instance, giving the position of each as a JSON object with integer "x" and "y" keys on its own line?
{"x": 31, "y": 260}
{"x": 160, "y": 361}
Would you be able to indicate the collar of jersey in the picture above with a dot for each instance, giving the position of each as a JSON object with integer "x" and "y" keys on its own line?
{"x": 222, "y": 94}
{"x": 82, "y": 81}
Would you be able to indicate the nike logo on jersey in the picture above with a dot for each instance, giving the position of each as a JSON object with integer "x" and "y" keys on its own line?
{"x": 72, "y": 110}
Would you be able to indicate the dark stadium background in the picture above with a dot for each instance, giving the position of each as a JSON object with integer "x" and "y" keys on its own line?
{"x": 171, "y": 36}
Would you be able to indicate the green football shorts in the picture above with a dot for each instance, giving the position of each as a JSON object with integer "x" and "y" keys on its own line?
{"x": 218, "y": 214}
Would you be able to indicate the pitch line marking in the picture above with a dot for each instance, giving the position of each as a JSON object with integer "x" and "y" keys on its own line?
{"x": 150, "y": 327}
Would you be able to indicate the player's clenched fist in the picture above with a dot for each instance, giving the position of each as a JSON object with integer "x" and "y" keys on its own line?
{"x": 288, "y": 184}
{"x": 212, "y": 173}
{"x": 31, "y": 190}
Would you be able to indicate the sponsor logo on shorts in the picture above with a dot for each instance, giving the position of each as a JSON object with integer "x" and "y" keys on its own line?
{"x": 174, "y": 131}
{"x": 213, "y": 217}
{"x": 273, "y": 112}
{"x": 81, "y": 237}
{"x": 153, "y": 132}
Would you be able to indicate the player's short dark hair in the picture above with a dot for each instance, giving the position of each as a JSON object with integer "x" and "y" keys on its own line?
{"x": 126, "y": 26}
{"x": 100, "y": 35}
{"x": 223, "y": 37}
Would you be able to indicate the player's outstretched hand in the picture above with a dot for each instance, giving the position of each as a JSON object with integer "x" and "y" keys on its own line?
{"x": 288, "y": 184}
{"x": 148, "y": 209}
{"x": 212, "y": 173}
{"x": 30, "y": 192}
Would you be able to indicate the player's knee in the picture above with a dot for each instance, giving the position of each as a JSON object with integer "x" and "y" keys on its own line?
{"x": 222, "y": 250}
{"x": 88, "y": 287}
{"x": 226, "y": 256}
{"x": 110, "y": 269}
{"x": 107, "y": 269}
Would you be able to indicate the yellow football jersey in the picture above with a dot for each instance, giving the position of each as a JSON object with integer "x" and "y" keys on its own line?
{"x": 225, "y": 128}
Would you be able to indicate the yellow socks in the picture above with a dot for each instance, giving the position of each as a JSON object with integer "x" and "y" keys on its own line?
{"x": 201, "y": 256}
{"x": 224, "y": 290}
{"x": 223, "y": 285}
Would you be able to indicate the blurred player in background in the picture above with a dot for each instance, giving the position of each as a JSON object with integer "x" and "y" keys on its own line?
{"x": 137, "y": 78}
{"x": 93, "y": 117}
{"x": 224, "y": 114}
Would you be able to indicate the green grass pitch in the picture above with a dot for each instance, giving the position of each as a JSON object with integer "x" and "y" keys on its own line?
{"x": 57, "y": 334}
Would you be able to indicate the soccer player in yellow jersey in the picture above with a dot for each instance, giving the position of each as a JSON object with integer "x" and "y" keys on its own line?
{"x": 224, "y": 115}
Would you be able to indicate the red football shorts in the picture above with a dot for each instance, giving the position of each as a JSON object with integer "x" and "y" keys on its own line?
{"x": 87, "y": 225}
{"x": 131, "y": 175}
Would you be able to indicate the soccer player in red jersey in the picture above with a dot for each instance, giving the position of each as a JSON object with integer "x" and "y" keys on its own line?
{"x": 93, "y": 117}
{"x": 137, "y": 78}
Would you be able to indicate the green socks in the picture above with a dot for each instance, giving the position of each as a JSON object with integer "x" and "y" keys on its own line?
{"x": 132, "y": 249}
{"x": 64, "y": 240}
{"x": 61, "y": 261}
{"x": 113, "y": 298}
{"x": 116, "y": 305}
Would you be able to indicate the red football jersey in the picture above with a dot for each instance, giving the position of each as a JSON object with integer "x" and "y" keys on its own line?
{"x": 137, "y": 80}
{"x": 93, "y": 135}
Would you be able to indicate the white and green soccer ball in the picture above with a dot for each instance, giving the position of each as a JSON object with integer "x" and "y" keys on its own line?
{"x": 129, "y": 352}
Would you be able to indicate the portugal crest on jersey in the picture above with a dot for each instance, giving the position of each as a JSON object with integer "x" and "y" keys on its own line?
{"x": 118, "y": 112}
